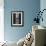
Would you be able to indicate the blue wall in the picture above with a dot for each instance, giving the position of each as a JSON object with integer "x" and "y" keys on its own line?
{"x": 43, "y": 6}
{"x": 29, "y": 7}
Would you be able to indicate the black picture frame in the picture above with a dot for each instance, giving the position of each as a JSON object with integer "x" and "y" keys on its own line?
{"x": 17, "y": 18}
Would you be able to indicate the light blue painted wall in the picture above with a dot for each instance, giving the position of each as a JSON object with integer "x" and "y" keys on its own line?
{"x": 30, "y": 7}
{"x": 43, "y": 6}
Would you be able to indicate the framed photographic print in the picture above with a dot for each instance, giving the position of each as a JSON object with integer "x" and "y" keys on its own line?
{"x": 17, "y": 18}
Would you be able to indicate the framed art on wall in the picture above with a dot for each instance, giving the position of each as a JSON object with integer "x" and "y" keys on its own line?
{"x": 17, "y": 18}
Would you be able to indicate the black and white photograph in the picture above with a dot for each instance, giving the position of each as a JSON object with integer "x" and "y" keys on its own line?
{"x": 17, "y": 18}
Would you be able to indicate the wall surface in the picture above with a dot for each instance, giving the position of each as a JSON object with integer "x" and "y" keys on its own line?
{"x": 43, "y": 6}
{"x": 30, "y": 7}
